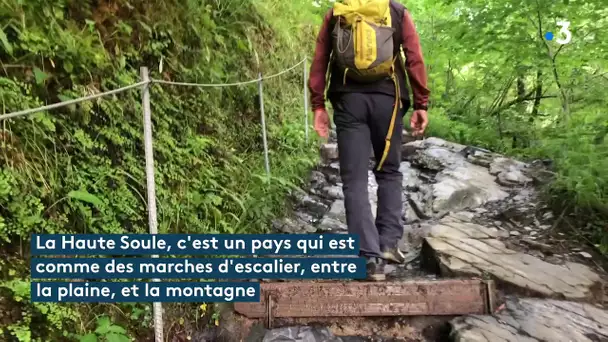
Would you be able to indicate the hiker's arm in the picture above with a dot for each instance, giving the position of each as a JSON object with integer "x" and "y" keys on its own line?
{"x": 414, "y": 63}
{"x": 318, "y": 69}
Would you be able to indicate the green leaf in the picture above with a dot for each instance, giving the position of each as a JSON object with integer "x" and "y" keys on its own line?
{"x": 65, "y": 98}
{"x": 117, "y": 338}
{"x": 103, "y": 325}
{"x": 4, "y": 39}
{"x": 89, "y": 338}
{"x": 40, "y": 75}
{"x": 145, "y": 27}
{"x": 89, "y": 198}
{"x": 43, "y": 309}
{"x": 117, "y": 329}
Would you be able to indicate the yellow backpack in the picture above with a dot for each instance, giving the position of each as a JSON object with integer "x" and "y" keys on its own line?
{"x": 364, "y": 39}
{"x": 363, "y": 47}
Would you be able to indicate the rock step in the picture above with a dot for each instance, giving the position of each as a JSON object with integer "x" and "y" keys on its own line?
{"x": 534, "y": 320}
{"x": 456, "y": 247}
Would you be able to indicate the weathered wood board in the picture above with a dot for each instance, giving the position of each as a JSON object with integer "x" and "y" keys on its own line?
{"x": 367, "y": 299}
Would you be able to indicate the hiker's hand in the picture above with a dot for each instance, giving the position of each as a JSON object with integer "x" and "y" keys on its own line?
{"x": 321, "y": 123}
{"x": 418, "y": 122}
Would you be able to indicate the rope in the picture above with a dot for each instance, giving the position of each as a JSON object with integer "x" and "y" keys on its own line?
{"x": 203, "y": 85}
{"x": 285, "y": 71}
{"x": 136, "y": 85}
{"x": 70, "y": 102}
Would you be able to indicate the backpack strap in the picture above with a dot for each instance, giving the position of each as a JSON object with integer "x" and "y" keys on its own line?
{"x": 391, "y": 128}
{"x": 330, "y": 62}
{"x": 398, "y": 24}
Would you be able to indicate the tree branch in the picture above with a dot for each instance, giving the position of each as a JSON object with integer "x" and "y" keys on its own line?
{"x": 528, "y": 97}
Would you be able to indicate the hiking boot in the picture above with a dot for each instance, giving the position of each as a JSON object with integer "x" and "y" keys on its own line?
{"x": 394, "y": 255}
{"x": 375, "y": 269}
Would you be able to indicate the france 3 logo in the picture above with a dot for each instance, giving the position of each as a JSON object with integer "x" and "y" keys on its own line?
{"x": 564, "y": 35}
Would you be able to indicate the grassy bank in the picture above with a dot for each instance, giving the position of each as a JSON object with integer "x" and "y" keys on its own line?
{"x": 81, "y": 169}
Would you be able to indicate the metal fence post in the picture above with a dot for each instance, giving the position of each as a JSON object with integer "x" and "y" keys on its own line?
{"x": 266, "y": 162}
{"x": 151, "y": 187}
{"x": 306, "y": 99}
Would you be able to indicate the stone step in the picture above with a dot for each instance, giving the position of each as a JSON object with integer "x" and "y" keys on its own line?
{"x": 456, "y": 247}
{"x": 329, "y": 152}
{"x": 534, "y": 320}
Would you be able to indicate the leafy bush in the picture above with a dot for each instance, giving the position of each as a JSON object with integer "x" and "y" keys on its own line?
{"x": 496, "y": 82}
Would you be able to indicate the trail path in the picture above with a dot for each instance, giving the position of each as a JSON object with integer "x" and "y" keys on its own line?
{"x": 468, "y": 213}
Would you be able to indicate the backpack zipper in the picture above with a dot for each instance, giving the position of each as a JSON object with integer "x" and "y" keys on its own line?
{"x": 359, "y": 39}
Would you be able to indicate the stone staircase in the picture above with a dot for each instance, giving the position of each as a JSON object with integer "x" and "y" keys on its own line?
{"x": 468, "y": 213}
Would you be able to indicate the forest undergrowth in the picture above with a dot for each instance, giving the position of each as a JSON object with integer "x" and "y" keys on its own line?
{"x": 499, "y": 83}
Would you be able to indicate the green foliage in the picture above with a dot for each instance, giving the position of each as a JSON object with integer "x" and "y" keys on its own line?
{"x": 106, "y": 332}
{"x": 80, "y": 169}
{"x": 496, "y": 82}
{"x": 58, "y": 317}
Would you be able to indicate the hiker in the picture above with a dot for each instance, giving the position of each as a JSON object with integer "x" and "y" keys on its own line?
{"x": 367, "y": 89}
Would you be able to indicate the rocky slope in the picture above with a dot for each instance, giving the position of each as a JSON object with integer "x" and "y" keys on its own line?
{"x": 470, "y": 212}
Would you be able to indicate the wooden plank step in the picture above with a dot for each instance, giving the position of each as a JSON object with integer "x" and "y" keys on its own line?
{"x": 366, "y": 299}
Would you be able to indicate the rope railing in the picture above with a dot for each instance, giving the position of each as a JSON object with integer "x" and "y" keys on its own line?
{"x": 214, "y": 85}
{"x": 71, "y": 102}
{"x": 144, "y": 85}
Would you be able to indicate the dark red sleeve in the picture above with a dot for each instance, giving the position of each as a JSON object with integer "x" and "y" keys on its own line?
{"x": 414, "y": 63}
{"x": 318, "y": 69}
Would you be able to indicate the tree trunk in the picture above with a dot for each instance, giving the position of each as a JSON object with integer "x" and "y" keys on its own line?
{"x": 521, "y": 88}
{"x": 449, "y": 80}
{"x": 537, "y": 95}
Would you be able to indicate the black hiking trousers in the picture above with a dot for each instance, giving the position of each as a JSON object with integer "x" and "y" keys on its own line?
{"x": 362, "y": 121}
